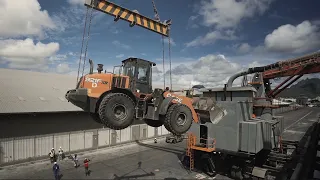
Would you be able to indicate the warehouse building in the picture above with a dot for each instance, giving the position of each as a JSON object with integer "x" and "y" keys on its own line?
{"x": 35, "y": 116}
{"x": 33, "y": 103}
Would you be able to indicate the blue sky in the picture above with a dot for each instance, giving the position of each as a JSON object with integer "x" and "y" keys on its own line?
{"x": 211, "y": 40}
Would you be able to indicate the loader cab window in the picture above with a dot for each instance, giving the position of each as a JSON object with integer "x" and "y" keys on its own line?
{"x": 129, "y": 69}
{"x": 143, "y": 74}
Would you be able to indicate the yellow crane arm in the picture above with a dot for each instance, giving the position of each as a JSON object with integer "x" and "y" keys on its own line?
{"x": 133, "y": 17}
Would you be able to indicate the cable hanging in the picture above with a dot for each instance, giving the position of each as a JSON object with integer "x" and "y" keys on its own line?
{"x": 170, "y": 59}
{"x": 157, "y": 18}
{"x": 88, "y": 37}
{"x": 163, "y": 69}
{"x": 84, "y": 32}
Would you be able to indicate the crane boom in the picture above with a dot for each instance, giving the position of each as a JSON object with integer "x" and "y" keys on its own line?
{"x": 131, "y": 16}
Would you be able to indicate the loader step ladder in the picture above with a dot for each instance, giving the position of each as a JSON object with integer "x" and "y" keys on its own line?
{"x": 190, "y": 145}
{"x": 141, "y": 107}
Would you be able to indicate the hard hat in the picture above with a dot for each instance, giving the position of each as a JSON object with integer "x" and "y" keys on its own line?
{"x": 55, "y": 162}
{"x": 52, "y": 148}
{"x": 60, "y": 147}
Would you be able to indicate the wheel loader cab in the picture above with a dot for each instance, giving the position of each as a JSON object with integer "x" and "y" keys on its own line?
{"x": 140, "y": 74}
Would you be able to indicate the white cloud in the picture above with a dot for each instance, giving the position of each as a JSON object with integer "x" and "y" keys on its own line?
{"x": 23, "y": 18}
{"x": 229, "y": 13}
{"x": 192, "y": 23}
{"x": 166, "y": 40}
{"x": 26, "y": 53}
{"x": 288, "y": 38}
{"x": 76, "y": 2}
{"x": 210, "y": 71}
{"x": 212, "y": 37}
{"x": 118, "y": 44}
{"x": 63, "y": 68}
{"x": 58, "y": 57}
{"x": 120, "y": 56}
{"x": 217, "y": 13}
{"x": 244, "y": 48}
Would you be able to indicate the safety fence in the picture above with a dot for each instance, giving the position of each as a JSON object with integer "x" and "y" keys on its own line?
{"x": 21, "y": 149}
{"x": 283, "y": 109}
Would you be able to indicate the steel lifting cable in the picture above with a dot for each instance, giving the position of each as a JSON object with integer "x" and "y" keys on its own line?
{"x": 163, "y": 69}
{"x": 88, "y": 37}
{"x": 170, "y": 59}
{"x": 84, "y": 32}
{"x": 157, "y": 18}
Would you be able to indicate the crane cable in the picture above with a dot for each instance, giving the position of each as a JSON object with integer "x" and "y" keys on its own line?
{"x": 163, "y": 69}
{"x": 84, "y": 32}
{"x": 88, "y": 37}
{"x": 157, "y": 18}
{"x": 169, "y": 41}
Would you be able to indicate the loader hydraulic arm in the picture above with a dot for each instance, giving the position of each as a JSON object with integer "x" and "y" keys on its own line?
{"x": 133, "y": 17}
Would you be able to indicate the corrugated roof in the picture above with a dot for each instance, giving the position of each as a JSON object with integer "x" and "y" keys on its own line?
{"x": 27, "y": 91}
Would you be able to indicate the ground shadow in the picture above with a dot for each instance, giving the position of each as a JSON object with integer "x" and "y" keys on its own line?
{"x": 181, "y": 154}
{"x": 128, "y": 176}
{"x": 165, "y": 149}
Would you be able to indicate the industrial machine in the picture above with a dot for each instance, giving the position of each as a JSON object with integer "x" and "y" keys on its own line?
{"x": 116, "y": 99}
{"x": 173, "y": 139}
{"x": 237, "y": 132}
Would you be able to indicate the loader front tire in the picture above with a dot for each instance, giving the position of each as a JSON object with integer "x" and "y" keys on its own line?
{"x": 178, "y": 119}
{"x": 116, "y": 111}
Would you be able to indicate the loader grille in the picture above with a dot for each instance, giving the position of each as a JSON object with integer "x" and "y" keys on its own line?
{"x": 119, "y": 82}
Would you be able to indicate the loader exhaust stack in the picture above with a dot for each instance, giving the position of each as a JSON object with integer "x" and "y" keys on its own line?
{"x": 91, "y": 66}
{"x": 100, "y": 68}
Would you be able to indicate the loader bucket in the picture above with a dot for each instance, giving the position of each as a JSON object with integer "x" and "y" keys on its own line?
{"x": 208, "y": 110}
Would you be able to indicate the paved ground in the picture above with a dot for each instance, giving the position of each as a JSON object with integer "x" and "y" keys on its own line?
{"x": 158, "y": 161}
{"x": 297, "y": 122}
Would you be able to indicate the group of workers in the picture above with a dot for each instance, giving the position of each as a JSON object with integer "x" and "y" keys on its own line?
{"x": 61, "y": 156}
{"x": 53, "y": 156}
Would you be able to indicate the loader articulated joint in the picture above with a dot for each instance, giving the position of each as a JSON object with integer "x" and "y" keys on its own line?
{"x": 165, "y": 105}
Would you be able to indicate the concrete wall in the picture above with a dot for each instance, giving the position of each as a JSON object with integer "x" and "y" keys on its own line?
{"x": 46, "y": 123}
{"x": 20, "y": 149}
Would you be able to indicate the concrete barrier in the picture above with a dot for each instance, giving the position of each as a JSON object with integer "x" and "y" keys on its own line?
{"x": 22, "y": 149}
{"x": 283, "y": 109}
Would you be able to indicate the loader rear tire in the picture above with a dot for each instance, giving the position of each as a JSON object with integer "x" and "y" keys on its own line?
{"x": 178, "y": 119}
{"x": 116, "y": 111}
{"x": 153, "y": 123}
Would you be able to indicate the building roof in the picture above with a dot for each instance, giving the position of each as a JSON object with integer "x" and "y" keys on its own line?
{"x": 27, "y": 92}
